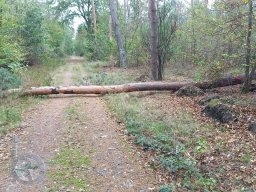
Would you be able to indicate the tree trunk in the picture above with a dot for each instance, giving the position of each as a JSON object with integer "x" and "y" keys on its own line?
{"x": 131, "y": 87}
{"x": 110, "y": 28}
{"x": 125, "y": 11}
{"x": 1, "y": 16}
{"x": 94, "y": 18}
{"x": 247, "y": 82}
{"x": 193, "y": 46}
{"x": 154, "y": 51}
{"x": 118, "y": 34}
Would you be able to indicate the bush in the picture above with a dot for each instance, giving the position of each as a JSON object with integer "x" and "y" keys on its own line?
{"x": 8, "y": 80}
{"x": 165, "y": 188}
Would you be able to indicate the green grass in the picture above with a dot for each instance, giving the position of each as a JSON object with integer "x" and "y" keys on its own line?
{"x": 97, "y": 76}
{"x": 41, "y": 75}
{"x": 11, "y": 109}
{"x": 72, "y": 112}
{"x": 246, "y": 158}
{"x": 173, "y": 139}
{"x": 71, "y": 157}
{"x": 69, "y": 163}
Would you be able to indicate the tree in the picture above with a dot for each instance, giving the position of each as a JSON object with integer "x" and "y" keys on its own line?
{"x": 11, "y": 51}
{"x": 1, "y": 14}
{"x": 118, "y": 34}
{"x": 67, "y": 10}
{"x": 94, "y": 18}
{"x": 154, "y": 50}
{"x": 248, "y": 74}
{"x": 85, "y": 9}
{"x": 166, "y": 29}
{"x": 33, "y": 32}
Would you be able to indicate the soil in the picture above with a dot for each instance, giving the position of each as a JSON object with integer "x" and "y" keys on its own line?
{"x": 115, "y": 166}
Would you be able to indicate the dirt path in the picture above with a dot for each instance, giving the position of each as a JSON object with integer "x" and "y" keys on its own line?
{"x": 114, "y": 166}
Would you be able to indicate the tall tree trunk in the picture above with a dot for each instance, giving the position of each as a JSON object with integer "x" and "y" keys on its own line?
{"x": 128, "y": 9}
{"x": 118, "y": 34}
{"x": 125, "y": 11}
{"x": 248, "y": 80}
{"x": 154, "y": 49}
{"x": 193, "y": 46}
{"x": 110, "y": 28}
{"x": 94, "y": 18}
{"x": 1, "y": 15}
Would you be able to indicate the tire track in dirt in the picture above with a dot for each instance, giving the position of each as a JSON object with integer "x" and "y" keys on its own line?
{"x": 115, "y": 167}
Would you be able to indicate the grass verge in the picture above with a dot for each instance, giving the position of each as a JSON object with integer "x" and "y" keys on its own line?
{"x": 173, "y": 142}
{"x": 41, "y": 75}
{"x": 12, "y": 107}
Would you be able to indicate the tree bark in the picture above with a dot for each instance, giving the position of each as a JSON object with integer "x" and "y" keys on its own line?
{"x": 94, "y": 18}
{"x": 193, "y": 46}
{"x": 154, "y": 50}
{"x": 118, "y": 34}
{"x": 131, "y": 87}
{"x": 247, "y": 82}
{"x": 125, "y": 11}
{"x": 1, "y": 16}
{"x": 110, "y": 28}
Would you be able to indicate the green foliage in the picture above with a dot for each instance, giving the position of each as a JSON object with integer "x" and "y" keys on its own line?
{"x": 201, "y": 146}
{"x": 32, "y": 32}
{"x": 209, "y": 184}
{"x": 178, "y": 162}
{"x": 211, "y": 39}
{"x": 81, "y": 41}
{"x": 11, "y": 51}
{"x": 8, "y": 80}
{"x": 9, "y": 117}
{"x": 165, "y": 188}
{"x": 93, "y": 47}
{"x": 59, "y": 39}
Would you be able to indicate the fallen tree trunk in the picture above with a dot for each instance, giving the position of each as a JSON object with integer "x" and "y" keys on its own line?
{"x": 131, "y": 87}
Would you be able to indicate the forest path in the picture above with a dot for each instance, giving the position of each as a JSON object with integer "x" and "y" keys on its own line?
{"x": 84, "y": 123}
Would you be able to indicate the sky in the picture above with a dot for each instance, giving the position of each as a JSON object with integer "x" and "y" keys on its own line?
{"x": 77, "y": 21}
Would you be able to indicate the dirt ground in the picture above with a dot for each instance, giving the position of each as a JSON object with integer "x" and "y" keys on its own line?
{"x": 115, "y": 166}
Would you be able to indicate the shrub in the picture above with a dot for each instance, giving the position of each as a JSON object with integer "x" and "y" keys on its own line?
{"x": 8, "y": 80}
{"x": 165, "y": 188}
